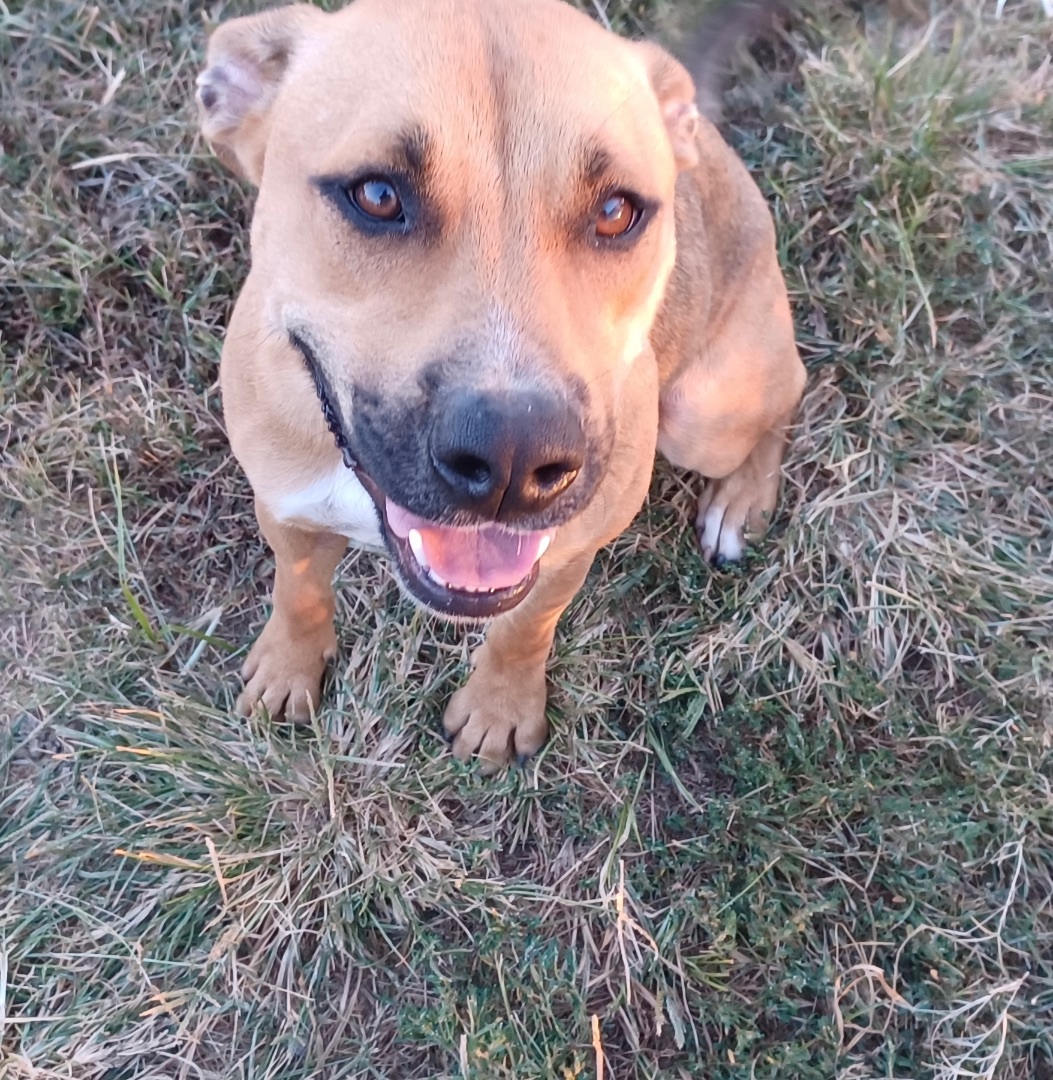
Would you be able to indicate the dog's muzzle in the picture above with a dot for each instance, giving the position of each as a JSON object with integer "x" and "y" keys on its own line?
{"x": 496, "y": 464}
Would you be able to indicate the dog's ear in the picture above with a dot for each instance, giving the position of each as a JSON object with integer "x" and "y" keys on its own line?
{"x": 247, "y": 60}
{"x": 709, "y": 43}
{"x": 675, "y": 90}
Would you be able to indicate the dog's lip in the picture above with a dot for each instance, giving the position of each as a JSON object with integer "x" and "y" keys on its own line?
{"x": 472, "y": 572}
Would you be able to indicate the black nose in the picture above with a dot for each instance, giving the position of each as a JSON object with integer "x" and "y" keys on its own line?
{"x": 506, "y": 455}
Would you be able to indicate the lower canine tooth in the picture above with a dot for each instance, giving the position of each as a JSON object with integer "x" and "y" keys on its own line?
{"x": 543, "y": 546}
{"x": 437, "y": 579}
{"x": 416, "y": 544}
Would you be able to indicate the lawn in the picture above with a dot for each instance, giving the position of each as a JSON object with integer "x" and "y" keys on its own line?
{"x": 795, "y": 820}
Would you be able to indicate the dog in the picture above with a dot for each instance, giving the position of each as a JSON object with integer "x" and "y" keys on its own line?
{"x": 498, "y": 259}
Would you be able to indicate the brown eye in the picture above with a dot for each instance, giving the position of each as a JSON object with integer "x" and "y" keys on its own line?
{"x": 377, "y": 198}
{"x": 617, "y": 216}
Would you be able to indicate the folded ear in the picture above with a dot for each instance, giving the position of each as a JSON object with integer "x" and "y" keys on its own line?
{"x": 711, "y": 41}
{"x": 675, "y": 91}
{"x": 247, "y": 60}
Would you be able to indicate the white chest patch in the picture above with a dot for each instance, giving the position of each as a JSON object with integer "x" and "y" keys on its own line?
{"x": 335, "y": 501}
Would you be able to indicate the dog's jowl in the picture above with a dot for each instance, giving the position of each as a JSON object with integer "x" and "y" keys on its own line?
{"x": 498, "y": 259}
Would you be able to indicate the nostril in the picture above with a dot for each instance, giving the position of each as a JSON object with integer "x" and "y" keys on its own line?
{"x": 470, "y": 468}
{"x": 555, "y": 477}
{"x": 504, "y": 455}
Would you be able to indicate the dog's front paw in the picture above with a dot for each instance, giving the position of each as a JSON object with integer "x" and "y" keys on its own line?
{"x": 733, "y": 509}
{"x": 283, "y": 672}
{"x": 497, "y": 714}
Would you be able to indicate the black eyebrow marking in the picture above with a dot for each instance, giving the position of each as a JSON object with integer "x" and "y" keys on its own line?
{"x": 601, "y": 177}
{"x": 595, "y": 165}
{"x": 406, "y": 159}
{"x": 414, "y": 148}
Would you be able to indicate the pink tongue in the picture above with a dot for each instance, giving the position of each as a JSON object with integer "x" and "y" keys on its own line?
{"x": 477, "y": 559}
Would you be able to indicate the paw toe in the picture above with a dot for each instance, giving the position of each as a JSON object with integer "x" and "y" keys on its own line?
{"x": 456, "y": 715}
{"x": 708, "y": 527}
{"x": 468, "y": 740}
{"x": 495, "y": 751}
{"x": 731, "y": 546}
{"x": 245, "y": 703}
{"x": 720, "y": 532}
{"x": 300, "y": 703}
{"x": 529, "y": 738}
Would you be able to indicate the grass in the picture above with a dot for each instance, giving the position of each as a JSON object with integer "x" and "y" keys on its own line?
{"x": 795, "y": 819}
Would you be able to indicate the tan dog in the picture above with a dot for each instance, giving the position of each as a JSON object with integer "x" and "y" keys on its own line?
{"x": 497, "y": 258}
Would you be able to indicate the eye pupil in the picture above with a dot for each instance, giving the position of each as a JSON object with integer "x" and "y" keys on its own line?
{"x": 377, "y": 198}
{"x": 617, "y": 216}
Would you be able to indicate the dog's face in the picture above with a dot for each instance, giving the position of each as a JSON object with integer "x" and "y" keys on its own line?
{"x": 465, "y": 227}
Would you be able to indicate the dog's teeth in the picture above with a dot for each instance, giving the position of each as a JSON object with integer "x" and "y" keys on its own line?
{"x": 439, "y": 580}
{"x": 543, "y": 546}
{"x": 416, "y": 543}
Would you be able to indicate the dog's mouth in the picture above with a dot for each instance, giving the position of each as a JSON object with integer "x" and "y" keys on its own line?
{"x": 460, "y": 571}
{"x": 470, "y": 572}
{"x": 475, "y": 571}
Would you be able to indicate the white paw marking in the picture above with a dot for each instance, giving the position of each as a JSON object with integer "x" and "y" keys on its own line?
{"x": 719, "y": 537}
{"x": 731, "y": 545}
{"x": 711, "y": 523}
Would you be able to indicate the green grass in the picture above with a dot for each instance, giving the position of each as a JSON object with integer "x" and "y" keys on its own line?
{"x": 795, "y": 819}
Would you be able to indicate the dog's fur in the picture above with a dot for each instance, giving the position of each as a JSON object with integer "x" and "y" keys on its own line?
{"x": 513, "y": 117}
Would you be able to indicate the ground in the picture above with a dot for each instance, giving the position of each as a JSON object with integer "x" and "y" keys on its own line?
{"x": 795, "y": 819}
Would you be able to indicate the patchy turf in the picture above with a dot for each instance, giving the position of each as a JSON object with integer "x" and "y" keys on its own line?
{"x": 795, "y": 820}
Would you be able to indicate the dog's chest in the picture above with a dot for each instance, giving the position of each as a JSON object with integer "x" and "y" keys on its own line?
{"x": 336, "y": 501}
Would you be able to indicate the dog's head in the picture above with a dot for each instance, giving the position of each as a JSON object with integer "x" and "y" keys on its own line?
{"x": 465, "y": 227}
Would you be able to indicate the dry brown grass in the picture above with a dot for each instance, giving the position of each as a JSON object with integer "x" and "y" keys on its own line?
{"x": 795, "y": 820}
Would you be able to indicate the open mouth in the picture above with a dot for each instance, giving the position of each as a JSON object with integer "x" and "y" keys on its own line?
{"x": 471, "y": 572}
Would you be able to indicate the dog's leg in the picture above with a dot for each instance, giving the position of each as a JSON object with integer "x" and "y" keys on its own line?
{"x": 284, "y": 669}
{"x": 500, "y": 711}
{"x": 709, "y": 428}
{"x": 728, "y": 416}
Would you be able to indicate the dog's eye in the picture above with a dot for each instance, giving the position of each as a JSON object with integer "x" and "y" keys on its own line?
{"x": 618, "y": 215}
{"x": 377, "y": 198}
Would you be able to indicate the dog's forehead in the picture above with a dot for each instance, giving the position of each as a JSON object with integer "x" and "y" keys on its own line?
{"x": 536, "y": 78}
{"x": 456, "y": 34}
